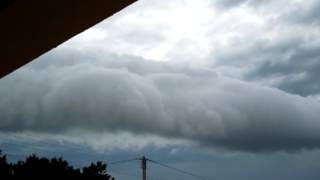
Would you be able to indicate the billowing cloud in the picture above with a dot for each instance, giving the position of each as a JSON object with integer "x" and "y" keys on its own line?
{"x": 239, "y": 40}
{"x": 210, "y": 86}
{"x": 111, "y": 93}
{"x": 269, "y": 45}
{"x": 296, "y": 73}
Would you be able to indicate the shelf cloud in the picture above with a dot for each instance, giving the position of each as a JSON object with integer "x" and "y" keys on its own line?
{"x": 116, "y": 93}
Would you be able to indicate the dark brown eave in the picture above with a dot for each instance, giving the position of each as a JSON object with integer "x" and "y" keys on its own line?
{"x": 29, "y": 28}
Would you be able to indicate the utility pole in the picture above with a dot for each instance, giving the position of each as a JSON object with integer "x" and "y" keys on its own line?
{"x": 144, "y": 161}
{"x": 144, "y": 167}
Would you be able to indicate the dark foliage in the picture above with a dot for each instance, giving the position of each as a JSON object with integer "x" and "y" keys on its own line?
{"x": 35, "y": 167}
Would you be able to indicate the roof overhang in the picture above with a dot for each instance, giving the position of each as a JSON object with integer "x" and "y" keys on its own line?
{"x": 30, "y": 28}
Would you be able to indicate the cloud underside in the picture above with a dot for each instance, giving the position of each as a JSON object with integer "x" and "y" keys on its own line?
{"x": 57, "y": 94}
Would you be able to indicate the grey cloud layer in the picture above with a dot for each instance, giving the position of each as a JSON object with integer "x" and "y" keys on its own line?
{"x": 251, "y": 40}
{"x": 122, "y": 93}
{"x": 282, "y": 52}
{"x": 299, "y": 72}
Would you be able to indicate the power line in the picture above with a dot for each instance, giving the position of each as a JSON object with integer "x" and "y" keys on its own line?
{"x": 126, "y": 174}
{"x": 131, "y": 165}
{"x": 123, "y": 161}
{"x": 179, "y": 170}
{"x": 133, "y": 175}
{"x": 159, "y": 163}
{"x": 115, "y": 162}
{"x": 153, "y": 177}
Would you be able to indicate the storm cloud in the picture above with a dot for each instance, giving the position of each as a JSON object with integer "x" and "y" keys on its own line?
{"x": 227, "y": 89}
{"x": 113, "y": 93}
{"x": 298, "y": 74}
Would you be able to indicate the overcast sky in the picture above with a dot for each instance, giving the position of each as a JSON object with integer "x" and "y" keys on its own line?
{"x": 227, "y": 89}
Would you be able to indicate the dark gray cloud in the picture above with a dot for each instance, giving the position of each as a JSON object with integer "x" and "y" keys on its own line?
{"x": 283, "y": 55}
{"x": 303, "y": 13}
{"x": 227, "y": 4}
{"x": 279, "y": 48}
{"x": 121, "y": 93}
{"x": 297, "y": 64}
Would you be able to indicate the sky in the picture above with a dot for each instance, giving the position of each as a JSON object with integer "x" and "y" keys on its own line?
{"x": 227, "y": 89}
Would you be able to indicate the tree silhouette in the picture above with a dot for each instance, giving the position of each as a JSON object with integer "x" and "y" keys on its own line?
{"x": 97, "y": 170}
{"x": 55, "y": 168}
{"x": 5, "y": 168}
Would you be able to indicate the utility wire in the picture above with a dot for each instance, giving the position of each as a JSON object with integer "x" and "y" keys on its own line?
{"x": 115, "y": 162}
{"x": 153, "y": 177}
{"x": 125, "y": 174}
{"x": 133, "y": 175}
{"x": 130, "y": 164}
{"x": 159, "y": 163}
{"x": 179, "y": 170}
{"x": 123, "y": 161}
